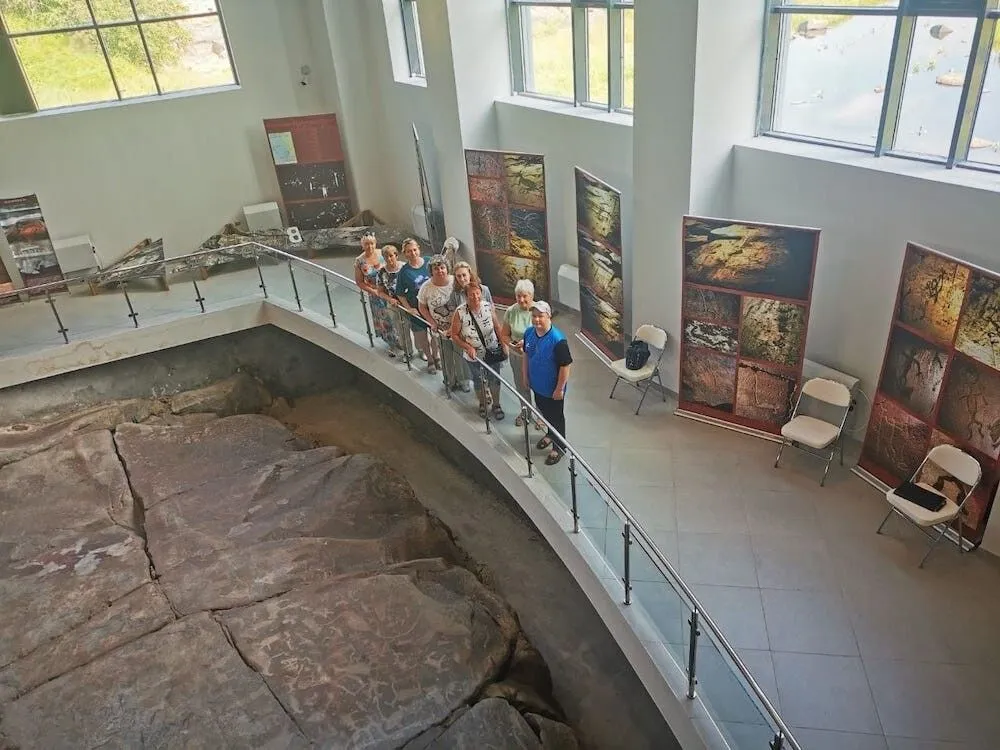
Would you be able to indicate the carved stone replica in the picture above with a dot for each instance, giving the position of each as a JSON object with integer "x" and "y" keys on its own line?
{"x": 172, "y": 578}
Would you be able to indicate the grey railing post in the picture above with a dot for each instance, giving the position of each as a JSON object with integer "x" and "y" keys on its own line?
{"x": 526, "y": 413}
{"x": 260, "y": 273}
{"x": 431, "y": 334}
{"x": 368, "y": 322}
{"x": 693, "y": 653}
{"x": 778, "y": 743}
{"x": 128, "y": 300}
{"x": 295, "y": 287}
{"x": 627, "y": 580}
{"x": 197, "y": 295}
{"x": 329, "y": 299}
{"x": 403, "y": 329}
{"x": 572, "y": 490}
{"x": 486, "y": 397}
{"x": 62, "y": 329}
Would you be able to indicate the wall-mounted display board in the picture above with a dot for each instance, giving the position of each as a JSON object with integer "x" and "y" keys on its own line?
{"x": 744, "y": 316}
{"x": 599, "y": 243}
{"x": 23, "y": 225}
{"x": 940, "y": 379}
{"x": 509, "y": 221}
{"x": 311, "y": 169}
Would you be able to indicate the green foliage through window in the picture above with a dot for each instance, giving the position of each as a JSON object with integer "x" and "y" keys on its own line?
{"x": 69, "y": 57}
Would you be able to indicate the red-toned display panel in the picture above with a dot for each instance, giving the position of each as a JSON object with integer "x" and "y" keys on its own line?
{"x": 311, "y": 169}
{"x": 744, "y": 316}
{"x": 940, "y": 379}
{"x": 509, "y": 221}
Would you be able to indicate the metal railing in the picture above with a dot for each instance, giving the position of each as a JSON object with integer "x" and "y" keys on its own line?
{"x": 746, "y": 718}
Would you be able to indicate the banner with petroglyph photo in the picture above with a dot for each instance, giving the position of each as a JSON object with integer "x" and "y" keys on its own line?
{"x": 747, "y": 288}
{"x": 599, "y": 244}
{"x": 509, "y": 221}
{"x": 940, "y": 380}
{"x": 27, "y": 234}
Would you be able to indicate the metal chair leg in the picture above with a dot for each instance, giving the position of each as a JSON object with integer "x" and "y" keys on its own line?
{"x": 931, "y": 548}
{"x": 778, "y": 458}
{"x": 617, "y": 380}
{"x": 881, "y": 525}
{"x": 841, "y": 440}
{"x": 663, "y": 391}
{"x": 822, "y": 482}
{"x": 644, "y": 392}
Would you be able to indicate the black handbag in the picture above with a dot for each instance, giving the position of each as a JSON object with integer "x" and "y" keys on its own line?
{"x": 920, "y": 496}
{"x": 636, "y": 355}
{"x": 493, "y": 355}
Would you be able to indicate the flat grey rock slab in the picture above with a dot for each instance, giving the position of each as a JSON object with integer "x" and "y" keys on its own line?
{"x": 27, "y": 438}
{"x": 67, "y": 544}
{"x": 491, "y": 724}
{"x": 140, "y": 612}
{"x": 373, "y": 662}
{"x": 183, "y": 686}
{"x": 164, "y": 460}
{"x": 239, "y": 394}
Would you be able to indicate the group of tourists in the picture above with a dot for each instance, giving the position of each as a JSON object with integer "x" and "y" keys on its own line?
{"x": 457, "y": 329}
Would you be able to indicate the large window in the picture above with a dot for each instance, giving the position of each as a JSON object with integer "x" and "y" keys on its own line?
{"x": 909, "y": 78}
{"x": 411, "y": 32}
{"x": 61, "y": 53}
{"x": 580, "y": 51}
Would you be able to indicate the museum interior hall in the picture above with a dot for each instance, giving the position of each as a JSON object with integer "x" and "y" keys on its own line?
{"x": 711, "y": 465}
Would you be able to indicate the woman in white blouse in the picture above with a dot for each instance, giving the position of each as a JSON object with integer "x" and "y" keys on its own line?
{"x": 476, "y": 330}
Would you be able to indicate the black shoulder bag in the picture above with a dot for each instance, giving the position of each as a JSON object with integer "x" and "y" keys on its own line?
{"x": 492, "y": 356}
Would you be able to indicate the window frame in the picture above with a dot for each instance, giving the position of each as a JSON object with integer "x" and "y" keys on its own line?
{"x": 519, "y": 37}
{"x": 411, "y": 38}
{"x": 906, "y": 14}
{"x": 22, "y": 86}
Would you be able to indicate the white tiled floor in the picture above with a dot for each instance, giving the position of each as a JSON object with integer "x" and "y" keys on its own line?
{"x": 856, "y": 646}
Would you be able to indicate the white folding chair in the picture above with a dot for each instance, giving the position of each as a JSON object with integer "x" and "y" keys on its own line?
{"x": 815, "y": 436}
{"x": 642, "y": 378}
{"x": 958, "y": 465}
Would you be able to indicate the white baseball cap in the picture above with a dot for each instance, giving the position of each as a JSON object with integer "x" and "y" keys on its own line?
{"x": 542, "y": 307}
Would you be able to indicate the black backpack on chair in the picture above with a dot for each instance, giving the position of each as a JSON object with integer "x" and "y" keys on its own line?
{"x": 636, "y": 355}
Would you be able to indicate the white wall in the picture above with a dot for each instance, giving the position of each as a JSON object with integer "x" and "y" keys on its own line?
{"x": 569, "y": 137}
{"x": 867, "y": 215}
{"x": 179, "y": 167}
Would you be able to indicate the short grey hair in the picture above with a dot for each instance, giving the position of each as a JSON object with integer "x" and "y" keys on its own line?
{"x": 438, "y": 260}
{"x": 524, "y": 286}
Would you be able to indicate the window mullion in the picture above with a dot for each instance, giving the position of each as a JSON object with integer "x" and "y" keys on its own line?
{"x": 104, "y": 51}
{"x": 580, "y": 81}
{"x": 521, "y": 67}
{"x": 145, "y": 48}
{"x": 16, "y": 97}
{"x": 770, "y": 68}
{"x": 899, "y": 64}
{"x": 975, "y": 78}
{"x": 615, "y": 57}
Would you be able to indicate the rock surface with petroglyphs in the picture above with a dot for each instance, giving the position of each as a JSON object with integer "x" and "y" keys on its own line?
{"x": 183, "y": 580}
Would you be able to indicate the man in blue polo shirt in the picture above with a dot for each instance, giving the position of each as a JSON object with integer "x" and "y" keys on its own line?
{"x": 546, "y": 365}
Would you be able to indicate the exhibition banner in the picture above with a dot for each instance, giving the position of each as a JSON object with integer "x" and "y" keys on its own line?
{"x": 599, "y": 243}
{"x": 940, "y": 380}
{"x": 744, "y": 316}
{"x": 311, "y": 169}
{"x": 509, "y": 221}
{"x": 23, "y": 225}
